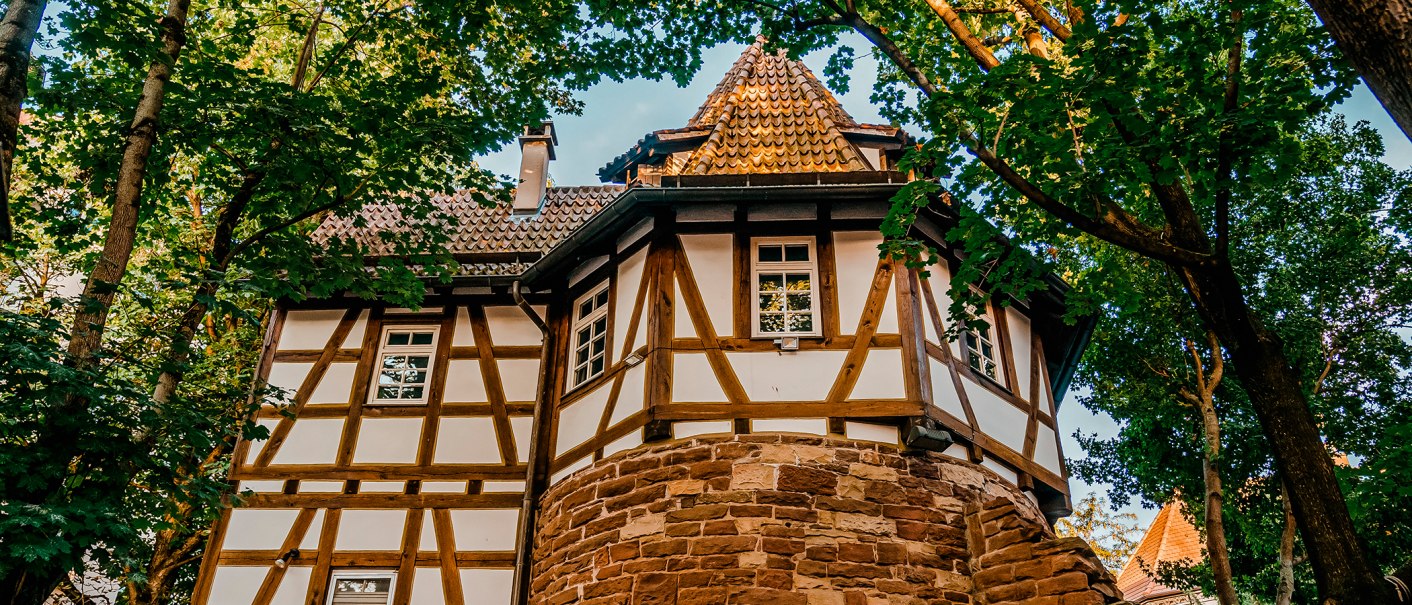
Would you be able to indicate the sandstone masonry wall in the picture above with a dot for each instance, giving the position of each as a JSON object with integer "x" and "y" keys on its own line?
{"x": 792, "y": 520}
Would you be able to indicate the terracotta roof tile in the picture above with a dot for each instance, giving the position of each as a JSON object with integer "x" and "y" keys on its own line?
{"x": 1170, "y": 539}
{"x": 480, "y": 229}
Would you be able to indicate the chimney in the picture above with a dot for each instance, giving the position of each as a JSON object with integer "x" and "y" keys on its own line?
{"x": 536, "y": 150}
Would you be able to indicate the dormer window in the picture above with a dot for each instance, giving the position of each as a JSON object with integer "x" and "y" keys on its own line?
{"x": 590, "y": 336}
{"x": 784, "y": 287}
{"x": 404, "y": 365}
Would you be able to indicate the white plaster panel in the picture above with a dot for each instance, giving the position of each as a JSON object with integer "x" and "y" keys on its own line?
{"x": 272, "y": 485}
{"x": 856, "y": 255}
{"x": 631, "y": 398}
{"x": 370, "y": 530}
{"x": 705, "y": 213}
{"x": 427, "y": 539}
{"x": 881, "y": 377}
{"x": 443, "y": 487}
{"x": 1046, "y": 450}
{"x": 867, "y": 431}
{"x": 626, "y": 442}
{"x": 682, "y": 326}
{"x": 466, "y": 441}
{"x": 310, "y": 542}
{"x": 783, "y": 212}
{"x": 305, "y": 330}
{"x": 958, "y": 452}
{"x": 492, "y": 529}
{"x": 336, "y": 386}
{"x": 490, "y": 586}
{"x": 258, "y": 528}
{"x": 712, "y": 259}
{"x": 520, "y": 377}
{"x": 426, "y": 585}
{"x": 1000, "y": 469}
{"x": 642, "y": 228}
{"x": 463, "y": 337}
{"x": 388, "y": 441}
{"x": 629, "y": 279}
{"x": 787, "y": 376}
{"x": 354, "y": 339}
{"x": 693, "y": 379}
{"x": 381, "y": 487}
{"x": 572, "y": 468}
{"x": 940, "y": 282}
{"x": 1020, "y": 349}
{"x": 311, "y": 441}
{"x": 502, "y": 487}
{"x": 1002, "y": 421}
{"x": 520, "y": 428}
{"x": 812, "y": 426}
{"x": 586, "y": 268}
{"x": 579, "y": 421}
{"x": 293, "y": 587}
{"x": 510, "y": 326}
{"x": 464, "y": 382}
{"x": 321, "y": 487}
{"x": 944, "y": 391}
{"x": 288, "y": 375}
{"x": 256, "y": 446}
{"x": 236, "y": 585}
{"x": 682, "y": 430}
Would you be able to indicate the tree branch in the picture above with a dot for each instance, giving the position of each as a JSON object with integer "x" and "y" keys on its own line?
{"x": 1225, "y": 152}
{"x": 984, "y": 58}
{"x": 1042, "y": 15}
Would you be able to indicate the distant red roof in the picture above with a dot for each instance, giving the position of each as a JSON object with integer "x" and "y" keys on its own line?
{"x": 1170, "y": 539}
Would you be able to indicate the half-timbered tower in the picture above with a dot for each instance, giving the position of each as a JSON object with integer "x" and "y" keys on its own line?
{"x": 696, "y": 384}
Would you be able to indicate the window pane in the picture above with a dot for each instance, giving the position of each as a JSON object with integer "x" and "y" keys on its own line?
{"x": 421, "y": 338}
{"x": 418, "y": 361}
{"x": 601, "y": 325}
{"x": 580, "y": 375}
{"x": 601, "y": 299}
{"x": 394, "y": 362}
{"x": 771, "y": 302}
{"x": 598, "y": 344}
{"x": 397, "y": 338}
{"x": 797, "y": 282}
{"x": 771, "y": 282}
{"x": 771, "y": 322}
{"x": 796, "y": 252}
{"x": 597, "y": 366}
{"x": 584, "y": 335}
{"x": 798, "y": 302}
{"x": 585, "y": 308}
{"x": 415, "y": 377}
{"x": 387, "y": 392}
{"x": 801, "y": 323}
{"x": 363, "y": 585}
{"x": 581, "y": 356}
{"x": 771, "y": 254}
{"x": 411, "y": 392}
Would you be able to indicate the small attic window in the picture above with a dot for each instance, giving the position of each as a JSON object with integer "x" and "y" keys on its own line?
{"x": 360, "y": 588}
{"x": 404, "y": 365}
{"x": 784, "y": 287}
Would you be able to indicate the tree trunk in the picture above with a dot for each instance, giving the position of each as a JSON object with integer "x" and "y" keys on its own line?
{"x": 1284, "y": 592}
{"x": 92, "y": 316}
{"x": 1344, "y": 574}
{"x": 1216, "y": 551}
{"x": 1376, "y": 36}
{"x": 16, "y": 37}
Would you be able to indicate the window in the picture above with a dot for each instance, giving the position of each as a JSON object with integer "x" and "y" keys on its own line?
{"x": 981, "y": 346}
{"x": 784, "y": 287}
{"x": 360, "y": 588}
{"x": 590, "y": 335}
{"x": 404, "y": 364}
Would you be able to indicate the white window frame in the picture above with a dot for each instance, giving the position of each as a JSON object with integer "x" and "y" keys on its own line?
{"x": 385, "y": 349}
{"x": 379, "y": 574}
{"x": 579, "y": 324}
{"x": 810, "y": 266}
{"x": 991, "y": 337}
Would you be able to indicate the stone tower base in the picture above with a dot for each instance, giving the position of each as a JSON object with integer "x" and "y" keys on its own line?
{"x": 787, "y": 520}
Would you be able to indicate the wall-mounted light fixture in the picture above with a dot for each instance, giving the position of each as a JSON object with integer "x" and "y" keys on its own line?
{"x": 284, "y": 559}
{"x": 787, "y": 343}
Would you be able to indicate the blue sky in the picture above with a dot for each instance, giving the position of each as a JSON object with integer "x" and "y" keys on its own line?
{"x": 617, "y": 114}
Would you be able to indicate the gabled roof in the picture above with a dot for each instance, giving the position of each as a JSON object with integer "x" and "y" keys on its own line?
{"x": 1170, "y": 539}
{"x": 769, "y": 114}
{"x": 503, "y": 242}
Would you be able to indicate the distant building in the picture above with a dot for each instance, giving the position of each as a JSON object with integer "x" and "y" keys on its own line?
{"x": 697, "y": 384}
{"x": 1171, "y": 539}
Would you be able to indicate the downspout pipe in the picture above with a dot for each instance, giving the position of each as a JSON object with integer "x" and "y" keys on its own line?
{"x": 529, "y": 506}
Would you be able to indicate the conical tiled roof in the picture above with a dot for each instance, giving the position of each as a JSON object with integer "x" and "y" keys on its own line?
{"x": 1170, "y": 539}
{"x": 768, "y": 115}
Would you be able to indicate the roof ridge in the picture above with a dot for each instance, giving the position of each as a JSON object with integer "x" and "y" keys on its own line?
{"x": 732, "y": 80}
{"x": 1169, "y": 539}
